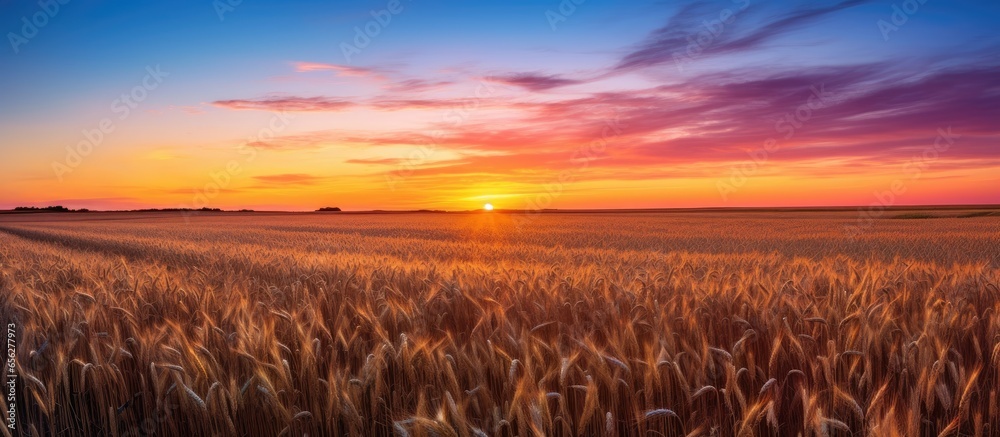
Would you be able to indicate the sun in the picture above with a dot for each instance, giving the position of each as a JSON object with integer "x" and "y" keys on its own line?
{"x": 488, "y": 207}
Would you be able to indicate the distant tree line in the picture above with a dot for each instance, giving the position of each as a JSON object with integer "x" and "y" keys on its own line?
{"x": 60, "y": 208}
{"x": 57, "y": 208}
{"x": 329, "y": 209}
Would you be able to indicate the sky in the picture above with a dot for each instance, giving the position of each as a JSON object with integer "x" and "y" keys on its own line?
{"x": 433, "y": 104}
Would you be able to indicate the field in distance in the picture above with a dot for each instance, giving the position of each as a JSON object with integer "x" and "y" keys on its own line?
{"x": 654, "y": 323}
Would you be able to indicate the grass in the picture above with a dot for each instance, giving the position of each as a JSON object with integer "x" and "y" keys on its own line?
{"x": 470, "y": 325}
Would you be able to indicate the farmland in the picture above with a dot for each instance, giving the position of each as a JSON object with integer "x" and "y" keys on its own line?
{"x": 697, "y": 323}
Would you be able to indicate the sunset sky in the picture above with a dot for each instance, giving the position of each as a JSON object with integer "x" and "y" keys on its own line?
{"x": 522, "y": 104}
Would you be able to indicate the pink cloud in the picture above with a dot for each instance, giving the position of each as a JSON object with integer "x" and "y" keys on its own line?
{"x": 339, "y": 70}
{"x": 293, "y": 104}
{"x": 878, "y": 115}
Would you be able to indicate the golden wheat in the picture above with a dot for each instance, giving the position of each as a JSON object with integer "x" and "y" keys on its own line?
{"x": 480, "y": 324}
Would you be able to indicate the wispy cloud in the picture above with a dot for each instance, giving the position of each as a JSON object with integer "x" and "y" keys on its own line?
{"x": 674, "y": 38}
{"x": 418, "y": 85}
{"x": 880, "y": 114}
{"x": 340, "y": 70}
{"x": 291, "y": 104}
{"x": 336, "y": 104}
{"x": 534, "y": 81}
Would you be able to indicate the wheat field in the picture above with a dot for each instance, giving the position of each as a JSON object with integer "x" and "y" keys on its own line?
{"x": 658, "y": 324}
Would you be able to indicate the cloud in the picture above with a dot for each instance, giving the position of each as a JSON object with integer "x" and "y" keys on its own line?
{"x": 672, "y": 40}
{"x": 334, "y": 104}
{"x": 376, "y": 74}
{"x": 874, "y": 113}
{"x": 534, "y": 81}
{"x": 339, "y": 70}
{"x": 289, "y": 179}
{"x": 290, "y": 104}
{"x": 418, "y": 85}
{"x": 879, "y": 114}
{"x": 395, "y": 104}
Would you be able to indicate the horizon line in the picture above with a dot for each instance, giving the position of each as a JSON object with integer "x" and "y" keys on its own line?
{"x": 815, "y": 208}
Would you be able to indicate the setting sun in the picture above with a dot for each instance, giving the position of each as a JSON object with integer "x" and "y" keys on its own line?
{"x": 488, "y": 207}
